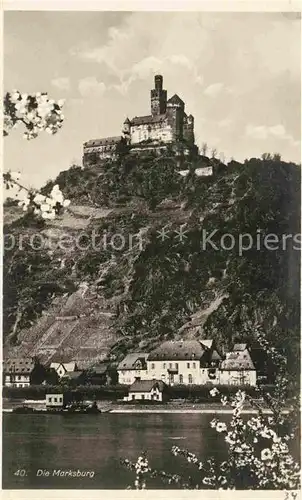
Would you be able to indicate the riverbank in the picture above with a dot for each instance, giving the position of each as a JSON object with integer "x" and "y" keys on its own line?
{"x": 170, "y": 407}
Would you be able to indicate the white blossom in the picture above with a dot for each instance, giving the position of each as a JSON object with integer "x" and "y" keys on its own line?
{"x": 266, "y": 454}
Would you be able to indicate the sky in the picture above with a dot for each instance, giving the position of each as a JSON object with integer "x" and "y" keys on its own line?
{"x": 238, "y": 73}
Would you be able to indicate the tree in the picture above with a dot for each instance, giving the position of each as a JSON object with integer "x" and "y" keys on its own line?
{"x": 214, "y": 153}
{"x": 266, "y": 156}
{"x": 277, "y": 157}
{"x": 204, "y": 148}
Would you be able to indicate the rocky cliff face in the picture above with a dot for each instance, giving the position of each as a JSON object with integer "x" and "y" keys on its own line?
{"x": 150, "y": 256}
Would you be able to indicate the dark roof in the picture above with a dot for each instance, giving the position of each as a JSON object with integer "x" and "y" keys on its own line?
{"x": 128, "y": 363}
{"x": 178, "y": 350}
{"x": 24, "y": 366}
{"x": 127, "y": 120}
{"x": 99, "y": 369}
{"x": 146, "y": 385}
{"x": 72, "y": 375}
{"x": 215, "y": 356}
{"x": 103, "y": 141}
{"x": 175, "y": 99}
{"x": 143, "y": 120}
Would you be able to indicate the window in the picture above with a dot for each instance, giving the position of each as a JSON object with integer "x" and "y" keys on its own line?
{"x": 181, "y": 379}
{"x": 190, "y": 378}
{"x": 152, "y": 366}
{"x": 60, "y": 399}
{"x": 143, "y": 396}
{"x": 133, "y": 396}
{"x": 170, "y": 365}
{"x": 19, "y": 377}
{"x": 55, "y": 400}
{"x": 194, "y": 365}
{"x": 176, "y": 366}
{"x": 164, "y": 366}
{"x": 50, "y": 400}
{"x": 188, "y": 365}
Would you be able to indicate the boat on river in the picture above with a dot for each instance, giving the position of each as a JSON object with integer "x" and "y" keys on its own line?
{"x": 74, "y": 408}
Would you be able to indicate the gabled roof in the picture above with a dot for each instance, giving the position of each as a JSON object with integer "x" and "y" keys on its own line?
{"x": 146, "y": 385}
{"x": 72, "y": 375}
{"x": 128, "y": 363}
{"x": 207, "y": 343}
{"x": 175, "y": 99}
{"x": 239, "y": 360}
{"x": 103, "y": 141}
{"x": 178, "y": 350}
{"x": 144, "y": 120}
{"x": 20, "y": 366}
{"x": 68, "y": 367}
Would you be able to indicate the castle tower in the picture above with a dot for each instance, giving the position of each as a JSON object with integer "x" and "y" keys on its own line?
{"x": 158, "y": 97}
{"x": 189, "y": 133}
{"x": 175, "y": 113}
{"x": 126, "y": 127}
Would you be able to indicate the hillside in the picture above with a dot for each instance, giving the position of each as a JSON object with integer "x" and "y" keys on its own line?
{"x": 85, "y": 301}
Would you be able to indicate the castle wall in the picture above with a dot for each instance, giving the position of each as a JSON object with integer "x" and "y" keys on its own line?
{"x": 161, "y": 131}
{"x": 188, "y": 133}
{"x": 175, "y": 119}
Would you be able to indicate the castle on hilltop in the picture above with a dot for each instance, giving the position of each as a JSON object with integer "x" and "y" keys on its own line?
{"x": 168, "y": 124}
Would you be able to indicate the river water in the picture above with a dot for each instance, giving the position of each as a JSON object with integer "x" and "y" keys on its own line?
{"x": 36, "y": 448}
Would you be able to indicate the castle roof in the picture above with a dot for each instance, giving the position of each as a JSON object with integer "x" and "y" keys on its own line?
{"x": 144, "y": 120}
{"x": 175, "y": 99}
{"x": 103, "y": 141}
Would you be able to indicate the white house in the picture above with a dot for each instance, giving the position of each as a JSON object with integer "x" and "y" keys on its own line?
{"x": 146, "y": 390}
{"x": 63, "y": 368}
{"x": 238, "y": 367}
{"x": 54, "y": 400}
{"x": 185, "y": 362}
{"x": 22, "y": 372}
{"x": 132, "y": 367}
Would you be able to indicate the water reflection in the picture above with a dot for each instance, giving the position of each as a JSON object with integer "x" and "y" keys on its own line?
{"x": 97, "y": 443}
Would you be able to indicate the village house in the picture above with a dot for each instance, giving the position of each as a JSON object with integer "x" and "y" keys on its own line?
{"x": 62, "y": 368}
{"x": 185, "y": 362}
{"x": 147, "y": 390}
{"x": 102, "y": 373}
{"x": 238, "y": 367}
{"x": 132, "y": 367}
{"x": 74, "y": 378}
{"x": 22, "y": 372}
{"x": 54, "y": 401}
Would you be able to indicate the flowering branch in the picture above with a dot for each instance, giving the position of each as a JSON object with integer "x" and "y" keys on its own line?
{"x": 37, "y": 112}
{"x": 47, "y": 207}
